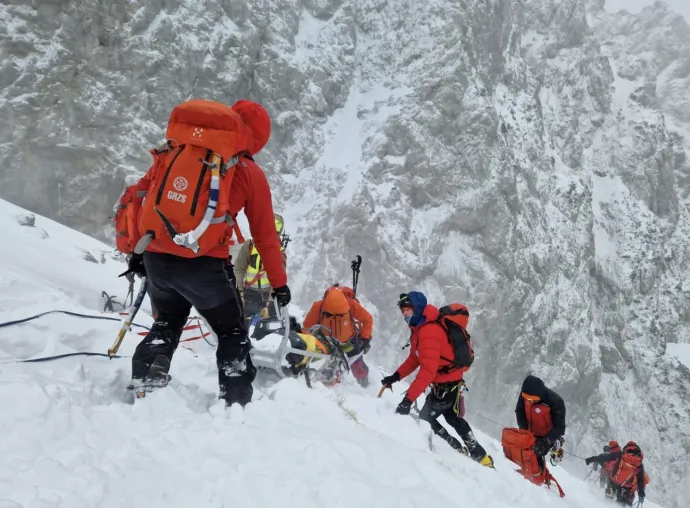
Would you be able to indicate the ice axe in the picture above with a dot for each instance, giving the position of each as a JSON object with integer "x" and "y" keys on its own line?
{"x": 131, "y": 314}
{"x": 383, "y": 389}
{"x": 356, "y": 263}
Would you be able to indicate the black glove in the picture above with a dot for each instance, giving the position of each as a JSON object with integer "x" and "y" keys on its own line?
{"x": 404, "y": 407}
{"x": 589, "y": 460}
{"x": 294, "y": 325}
{"x": 389, "y": 380}
{"x": 541, "y": 446}
{"x": 282, "y": 294}
{"x": 366, "y": 345}
{"x": 135, "y": 266}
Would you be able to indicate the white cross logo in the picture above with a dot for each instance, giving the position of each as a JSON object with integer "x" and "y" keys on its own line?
{"x": 197, "y": 132}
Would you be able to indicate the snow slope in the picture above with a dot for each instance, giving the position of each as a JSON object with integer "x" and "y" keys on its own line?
{"x": 69, "y": 440}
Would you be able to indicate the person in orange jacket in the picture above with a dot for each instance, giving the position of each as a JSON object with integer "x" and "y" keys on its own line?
{"x": 176, "y": 283}
{"x": 607, "y": 467}
{"x": 430, "y": 350}
{"x": 346, "y": 320}
{"x": 627, "y": 475}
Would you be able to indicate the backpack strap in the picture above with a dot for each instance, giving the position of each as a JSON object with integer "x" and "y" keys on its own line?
{"x": 550, "y": 477}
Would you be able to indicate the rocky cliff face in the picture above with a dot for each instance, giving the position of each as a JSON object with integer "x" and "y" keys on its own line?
{"x": 527, "y": 157}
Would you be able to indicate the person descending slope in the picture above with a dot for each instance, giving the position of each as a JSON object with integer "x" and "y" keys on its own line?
{"x": 252, "y": 278}
{"x": 627, "y": 474}
{"x": 345, "y": 319}
{"x": 542, "y": 412}
{"x": 193, "y": 191}
{"x": 432, "y": 352}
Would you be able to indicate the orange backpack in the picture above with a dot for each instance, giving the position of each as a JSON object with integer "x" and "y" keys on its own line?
{"x": 538, "y": 418}
{"x": 126, "y": 217}
{"x": 517, "y": 447}
{"x": 186, "y": 211}
{"x": 454, "y": 319}
{"x": 337, "y": 313}
{"x": 625, "y": 470}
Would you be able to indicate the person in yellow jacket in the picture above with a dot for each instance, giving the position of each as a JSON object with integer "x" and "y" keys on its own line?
{"x": 252, "y": 281}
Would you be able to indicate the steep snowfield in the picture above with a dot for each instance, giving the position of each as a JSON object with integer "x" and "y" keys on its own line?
{"x": 69, "y": 440}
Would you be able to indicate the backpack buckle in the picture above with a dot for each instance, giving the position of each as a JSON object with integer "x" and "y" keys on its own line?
{"x": 224, "y": 168}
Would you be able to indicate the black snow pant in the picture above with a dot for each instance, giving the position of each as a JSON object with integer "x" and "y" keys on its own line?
{"x": 624, "y": 496}
{"x": 175, "y": 285}
{"x": 442, "y": 402}
{"x": 254, "y": 301}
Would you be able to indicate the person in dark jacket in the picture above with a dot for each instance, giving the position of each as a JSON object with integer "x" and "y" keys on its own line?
{"x": 607, "y": 467}
{"x": 542, "y": 412}
{"x": 627, "y": 474}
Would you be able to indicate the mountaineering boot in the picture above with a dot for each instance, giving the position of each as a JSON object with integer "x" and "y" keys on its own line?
{"x": 236, "y": 390}
{"x": 441, "y": 432}
{"x": 459, "y": 447}
{"x": 156, "y": 377}
{"x": 236, "y": 372}
{"x": 487, "y": 461}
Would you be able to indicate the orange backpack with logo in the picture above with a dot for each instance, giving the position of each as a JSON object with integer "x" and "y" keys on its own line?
{"x": 538, "y": 417}
{"x": 518, "y": 447}
{"x": 186, "y": 210}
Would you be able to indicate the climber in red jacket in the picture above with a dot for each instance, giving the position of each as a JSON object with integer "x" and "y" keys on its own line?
{"x": 430, "y": 349}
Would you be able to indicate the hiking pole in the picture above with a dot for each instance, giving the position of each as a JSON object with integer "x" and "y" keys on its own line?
{"x": 356, "y": 263}
{"x": 130, "y": 318}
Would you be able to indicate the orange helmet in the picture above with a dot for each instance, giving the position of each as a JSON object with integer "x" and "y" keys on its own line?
{"x": 335, "y": 303}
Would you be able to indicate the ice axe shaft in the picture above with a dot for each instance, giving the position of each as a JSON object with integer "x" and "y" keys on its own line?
{"x": 130, "y": 318}
{"x": 383, "y": 389}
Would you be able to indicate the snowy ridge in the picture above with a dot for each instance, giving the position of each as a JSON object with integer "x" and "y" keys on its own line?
{"x": 70, "y": 440}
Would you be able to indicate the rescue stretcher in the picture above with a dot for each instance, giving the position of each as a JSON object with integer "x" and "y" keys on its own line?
{"x": 289, "y": 353}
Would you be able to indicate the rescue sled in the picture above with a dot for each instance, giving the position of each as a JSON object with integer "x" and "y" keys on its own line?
{"x": 289, "y": 352}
